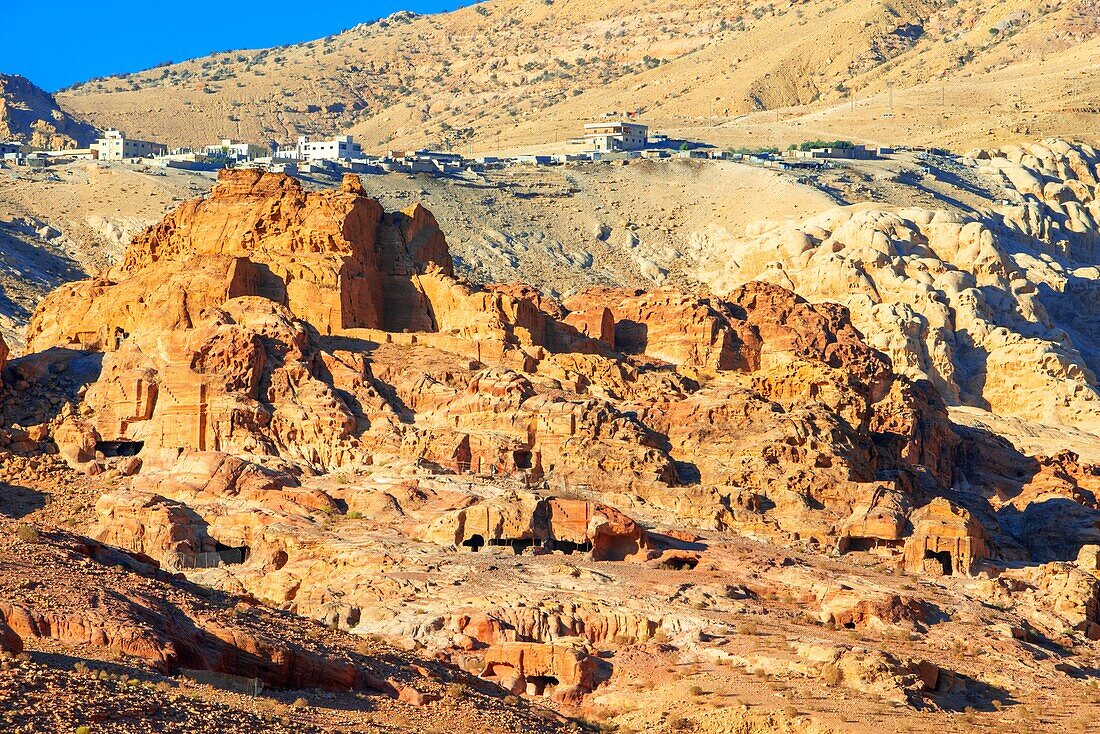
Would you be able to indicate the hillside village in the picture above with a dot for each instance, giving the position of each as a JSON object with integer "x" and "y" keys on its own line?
{"x": 608, "y": 141}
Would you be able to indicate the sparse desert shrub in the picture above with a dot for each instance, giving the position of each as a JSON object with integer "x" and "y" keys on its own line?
{"x": 457, "y": 690}
{"x": 696, "y": 690}
{"x": 831, "y": 675}
{"x": 679, "y": 723}
{"x": 83, "y": 730}
{"x": 26, "y": 533}
{"x": 300, "y": 702}
{"x": 748, "y": 628}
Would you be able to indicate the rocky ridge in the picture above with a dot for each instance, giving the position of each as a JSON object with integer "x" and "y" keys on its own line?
{"x": 30, "y": 115}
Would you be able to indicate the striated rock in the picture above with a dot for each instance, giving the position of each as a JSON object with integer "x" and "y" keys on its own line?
{"x": 946, "y": 540}
{"x": 10, "y": 642}
{"x": 522, "y": 522}
{"x": 554, "y": 671}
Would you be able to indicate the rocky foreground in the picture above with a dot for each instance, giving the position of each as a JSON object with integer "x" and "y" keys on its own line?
{"x": 319, "y": 461}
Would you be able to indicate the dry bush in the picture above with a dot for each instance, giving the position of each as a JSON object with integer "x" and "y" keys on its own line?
{"x": 26, "y": 533}
{"x": 831, "y": 675}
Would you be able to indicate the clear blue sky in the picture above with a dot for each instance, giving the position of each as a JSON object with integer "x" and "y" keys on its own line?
{"x": 57, "y": 46}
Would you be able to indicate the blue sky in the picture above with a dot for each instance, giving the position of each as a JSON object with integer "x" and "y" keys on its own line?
{"x": 64, "y": 50}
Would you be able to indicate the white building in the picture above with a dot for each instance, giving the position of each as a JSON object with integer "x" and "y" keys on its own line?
{"x": 114, "y": 146}
{"x": 608, "y": 137}
{"x": 11, "y": 147}
{"x": 339, "y": 148}
{"x": 236, "y": 150}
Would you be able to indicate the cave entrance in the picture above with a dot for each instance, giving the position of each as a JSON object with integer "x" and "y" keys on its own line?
{"x": 541, "y": 685}
{"x": 861, "y": 544}
{"x": 944, "y": 559}
{"x": 112, "y": 449}
{"x": 680, "y": 564}
{"x": 568, "y": 547}
{"x": 231, "y": 555}
{"x": 518, "y": 545}
{"x": 474, "y": 543}
{"x": 522, "y": 459}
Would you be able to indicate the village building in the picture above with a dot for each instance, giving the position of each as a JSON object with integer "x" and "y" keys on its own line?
{"x": 236, "y": 150}
{"x": 115, "y": 146}
{"x": 342, "y": 147}
{"x": 608, "y": 137}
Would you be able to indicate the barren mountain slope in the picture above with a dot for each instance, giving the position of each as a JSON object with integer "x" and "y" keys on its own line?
{"x": 523, "y": 72}
{"x": 30, "y": 115}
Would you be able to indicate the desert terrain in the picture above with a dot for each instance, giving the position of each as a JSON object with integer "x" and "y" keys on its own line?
{"x": 651, "y": 445}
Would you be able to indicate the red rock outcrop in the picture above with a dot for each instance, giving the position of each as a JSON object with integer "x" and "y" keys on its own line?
{"x": 559, "y": 671}
{"x": 946, "y": 540}
{"x": 10, "y": 642}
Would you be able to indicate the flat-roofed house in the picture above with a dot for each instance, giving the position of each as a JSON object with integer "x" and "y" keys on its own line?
{"x": 608, "y": 137}
{"x": 237, "y": 150}
{"x": 342, "y": 147}
{"x": 114, "y": 146}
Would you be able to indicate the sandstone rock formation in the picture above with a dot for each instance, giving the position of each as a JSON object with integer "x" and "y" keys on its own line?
{"x": 275, "y": 297}
{"x": 946, "y": 539}
{"x": 524, "y": 522}
{"x": 558, "y": 671}
{"x": 996, "y": 309}
{"x": 324, "y": 419}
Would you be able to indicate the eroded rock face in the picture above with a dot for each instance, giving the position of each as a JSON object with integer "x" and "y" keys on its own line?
{"x": 10, "y": 642}
{"x": 522, "y": 522}
{"x": 560, "y": 671}
{"x": 286, "y": 326}
{"x": 946, "y": 540}
{"x": 997, "y": 312}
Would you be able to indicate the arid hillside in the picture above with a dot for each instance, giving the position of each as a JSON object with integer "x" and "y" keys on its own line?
{"x": 510, "y": 73}
{"x": 30, "y": 115}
